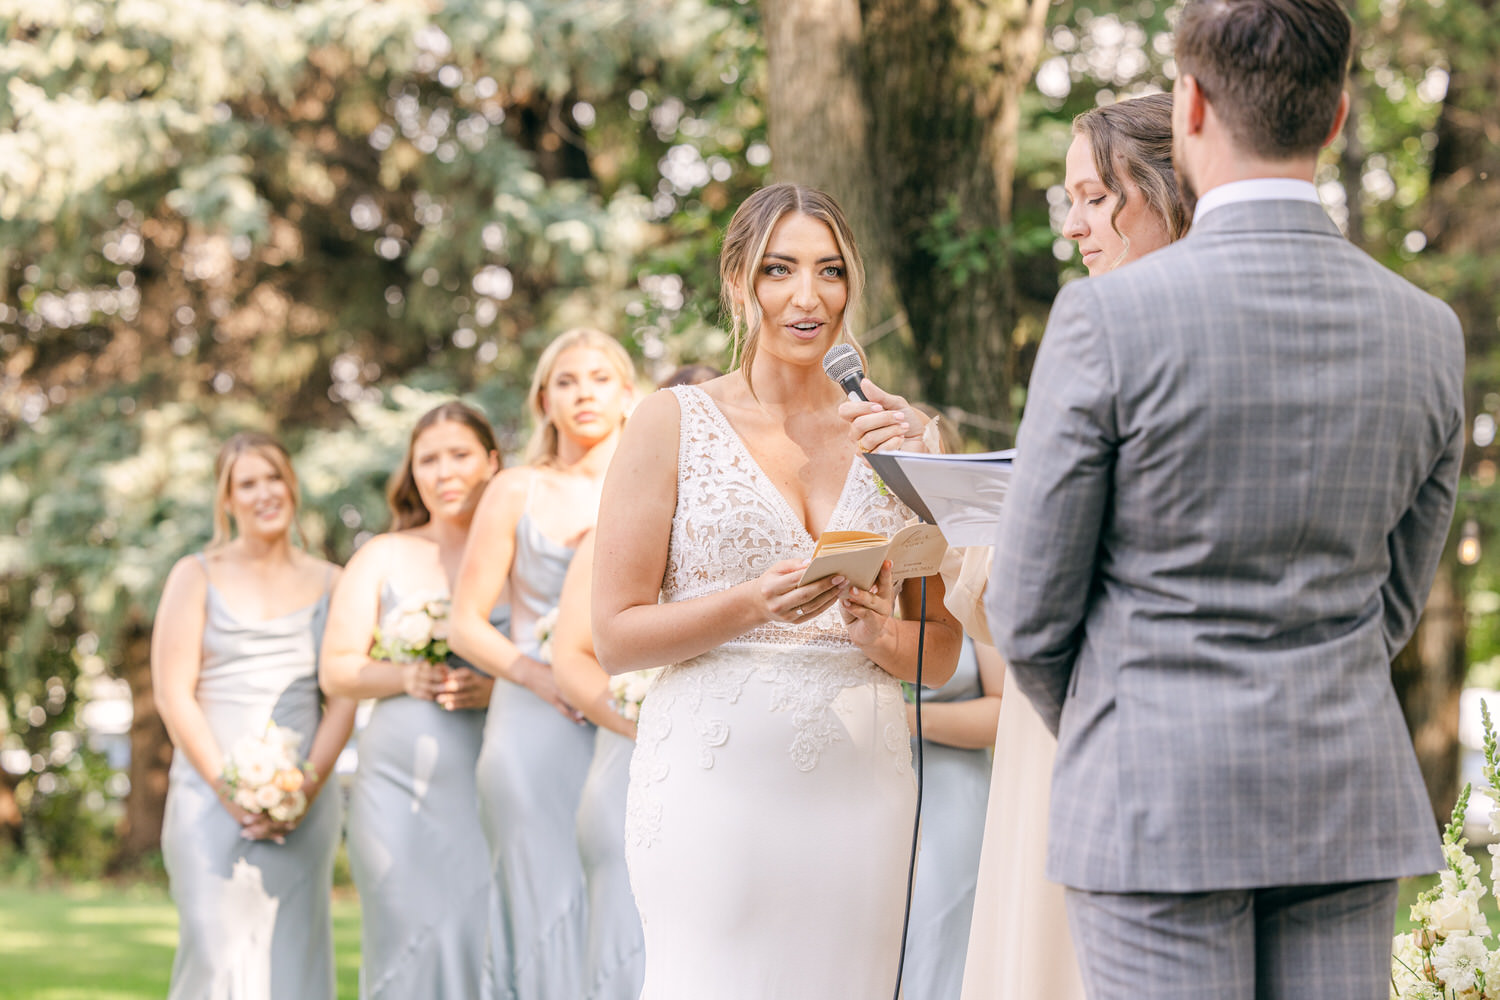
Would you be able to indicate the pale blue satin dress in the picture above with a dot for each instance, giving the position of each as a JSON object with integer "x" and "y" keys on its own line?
{"x": 416, "y": 846}
{"x": 616, "y": 963}
{"x": 955, "y": 795}
{"x": 254, "y": 915}
{"x": 531, "y": 771}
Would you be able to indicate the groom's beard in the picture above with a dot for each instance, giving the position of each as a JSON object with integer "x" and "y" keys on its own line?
{"x": 1184, "y": 183}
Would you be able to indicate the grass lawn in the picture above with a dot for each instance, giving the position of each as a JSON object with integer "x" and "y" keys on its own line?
{"x": 103, "y": 942}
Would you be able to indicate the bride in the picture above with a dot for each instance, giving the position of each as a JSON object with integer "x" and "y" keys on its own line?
{"x": 771, "y": 792}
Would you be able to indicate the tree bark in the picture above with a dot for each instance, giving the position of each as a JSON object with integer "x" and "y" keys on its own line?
{"x": 819, "y": 128}
{"x": 1429, "y": 675}
{"x": 150, "y": 757}
{"x": 908, "y": 115}
{"x": 1461, "y": 237}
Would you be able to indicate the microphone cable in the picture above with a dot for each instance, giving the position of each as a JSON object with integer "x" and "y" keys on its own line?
{"x": 916, "y": 828}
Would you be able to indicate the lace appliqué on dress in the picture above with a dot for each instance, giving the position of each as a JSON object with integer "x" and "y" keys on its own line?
{"x": 730, "y": 525}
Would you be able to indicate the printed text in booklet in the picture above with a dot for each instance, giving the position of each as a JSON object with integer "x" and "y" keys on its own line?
{"x": 916, "y": 550}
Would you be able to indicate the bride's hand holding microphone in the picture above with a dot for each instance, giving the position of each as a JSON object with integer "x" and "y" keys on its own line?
{"x": 878, "y": 420}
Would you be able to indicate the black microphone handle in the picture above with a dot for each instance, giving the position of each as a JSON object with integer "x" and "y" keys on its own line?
{"x": 850, "y": 384}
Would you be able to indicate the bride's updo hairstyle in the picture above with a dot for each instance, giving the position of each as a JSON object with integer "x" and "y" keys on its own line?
{"x": 266, "y": 447}
{"x": 542, "y": 449}
{"x": 1134, "y": 138}
{"x": 402, "y": 495}
{"x": 745, "y": 246}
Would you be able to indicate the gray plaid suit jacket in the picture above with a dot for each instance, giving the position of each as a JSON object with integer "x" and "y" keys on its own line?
{"x": 1234, "y": 478}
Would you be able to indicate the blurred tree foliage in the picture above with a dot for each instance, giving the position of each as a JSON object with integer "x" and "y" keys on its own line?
{"x": 218, "y": 214}
{"x": 318, "y": 217}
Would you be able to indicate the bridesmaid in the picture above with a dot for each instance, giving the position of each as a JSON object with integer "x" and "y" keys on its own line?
{"x": 537, "y": 748}
{"x": 415, "y": 843}
{"x": 615, "y": 966}
{"x": 958, "y": 728}
{"x": 234, "y": 647}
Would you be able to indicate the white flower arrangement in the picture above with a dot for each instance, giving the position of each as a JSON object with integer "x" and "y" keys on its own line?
{"x": 630, "y": 690}
{"x": 1446, "y": 956}
{"x": 413, "y": 630}
{"x": 264, "y": 774}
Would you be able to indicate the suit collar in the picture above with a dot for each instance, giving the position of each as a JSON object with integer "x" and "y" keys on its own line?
{"x": 1261, "y": 216}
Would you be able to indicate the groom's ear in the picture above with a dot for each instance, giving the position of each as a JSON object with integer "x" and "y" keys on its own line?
{"x": 1339, "y": 118}
{"x": 1188, "y": 105}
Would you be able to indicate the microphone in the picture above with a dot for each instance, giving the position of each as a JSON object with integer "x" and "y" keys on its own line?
{"x": 841, "y": 363}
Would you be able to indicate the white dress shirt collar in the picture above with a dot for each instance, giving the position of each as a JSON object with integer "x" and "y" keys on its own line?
{"x": 1256, "y": 189}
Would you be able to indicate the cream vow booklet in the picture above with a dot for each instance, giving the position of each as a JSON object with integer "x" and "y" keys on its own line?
{"x": 916, "y": 550}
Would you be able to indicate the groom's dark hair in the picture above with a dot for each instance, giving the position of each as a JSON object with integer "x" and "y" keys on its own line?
{"x": 1272, "y": 69}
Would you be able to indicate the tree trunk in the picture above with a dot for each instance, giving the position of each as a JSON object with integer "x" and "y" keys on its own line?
{"x": 10, "y": 812}
{"x": 1462, "y": 236}
{"x": 150, "y": 756}
{"x": 908, "y": 116}
{"x": 1429, "y": 675}
{"x": 819, "y": 128}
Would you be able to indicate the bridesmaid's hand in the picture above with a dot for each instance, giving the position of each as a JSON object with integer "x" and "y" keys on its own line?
{"x": 867, "y": 612}
{"x": 463, "y": 689}
{"x": 536, "y": 677}
{"x": 423, "y": 680}
{"x": 782, "y": 600}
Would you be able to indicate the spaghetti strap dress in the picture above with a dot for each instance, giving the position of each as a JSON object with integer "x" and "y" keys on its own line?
{"x": 531, "y": 770}
{"x": 416, "y": 847}
{"x": 254, "y": 915}
{"x": 955, "y": 791}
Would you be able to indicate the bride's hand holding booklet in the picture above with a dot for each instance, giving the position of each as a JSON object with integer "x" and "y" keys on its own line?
{"x": 916, "y": 550}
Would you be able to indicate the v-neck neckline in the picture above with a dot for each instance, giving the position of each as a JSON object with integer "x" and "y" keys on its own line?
{"x": 787, "y": 511}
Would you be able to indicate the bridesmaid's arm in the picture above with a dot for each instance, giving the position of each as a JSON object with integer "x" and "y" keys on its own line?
{"x": 969, "y": 725}
{"x": 579, "y": 677}
{"x": 488, "y": 557}
{"x": 891, "y": 642}
{"x": 346, "y": 669}
{"x": 176, "y": 661}
{"x": 632, "y": 631}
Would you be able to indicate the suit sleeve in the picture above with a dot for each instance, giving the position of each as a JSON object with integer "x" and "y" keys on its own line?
{"x": 1047, "y": 542}
{"x": 1417, "y": 542}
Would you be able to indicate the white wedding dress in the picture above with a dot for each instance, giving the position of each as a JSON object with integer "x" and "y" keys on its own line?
{"x": 771, "y": 795}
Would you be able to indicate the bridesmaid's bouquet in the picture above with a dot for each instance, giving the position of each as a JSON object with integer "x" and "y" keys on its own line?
{"x": 1446, "y": 956}
{"x": 265, "y": 775}
{"x": 543, "y": 631}
{"x": 413, "y": 630}
{"x": 629, "y": 690}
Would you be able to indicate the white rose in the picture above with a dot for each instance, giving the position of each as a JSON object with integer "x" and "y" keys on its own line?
{"x": 440, "y": 629}
{"x": 267, "y": 797}
{"x": 414, "y": 629}
{"x": 245, "y": 799}
{"x": 1450, "y": 914}
{"x": 255, "y": 764}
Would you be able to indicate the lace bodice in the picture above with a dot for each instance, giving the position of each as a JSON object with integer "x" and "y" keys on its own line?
{"x": 732, "y": 523}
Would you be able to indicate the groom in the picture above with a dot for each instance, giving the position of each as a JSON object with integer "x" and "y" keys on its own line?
{"x": 1234, "y": 479}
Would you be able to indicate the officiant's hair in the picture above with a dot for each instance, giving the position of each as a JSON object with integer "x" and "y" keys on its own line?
{"x": 263, "y": 446}
{"x": 542, "y": 449}
{"x": 1272, "y": 69}
{"x": 1133, "y": 138}
{"x": 401, "y": 493}
{"x": 745, "y": 244}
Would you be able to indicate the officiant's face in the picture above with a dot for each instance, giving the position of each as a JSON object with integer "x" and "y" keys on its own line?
{"x": 1105, "y": 240}
{"x": 802, "y": 287}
